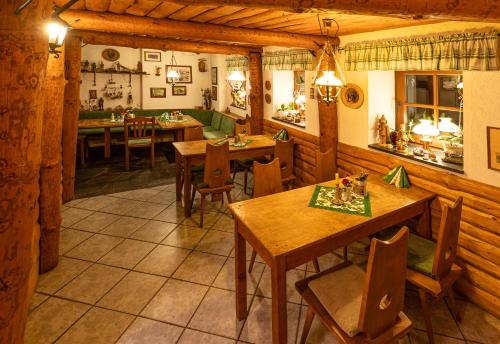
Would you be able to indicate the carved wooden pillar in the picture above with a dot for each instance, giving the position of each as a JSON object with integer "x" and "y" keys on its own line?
{"x": 51, "y": 167}
{"x": 23, "y": 56}
{"x": 256, "y": 94}
{"x": 73, "y": 53}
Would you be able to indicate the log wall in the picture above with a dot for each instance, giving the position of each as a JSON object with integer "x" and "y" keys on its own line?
{"x": 479, "y": 240}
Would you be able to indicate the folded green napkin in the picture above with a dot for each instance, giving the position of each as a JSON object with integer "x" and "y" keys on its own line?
{"x": 398, "y": 177}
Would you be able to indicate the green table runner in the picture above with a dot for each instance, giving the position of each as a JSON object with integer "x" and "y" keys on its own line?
{"x": 232, "y": 143}
{"x": 323, "y": 196}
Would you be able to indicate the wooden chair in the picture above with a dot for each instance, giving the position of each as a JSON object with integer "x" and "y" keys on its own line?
{"x": 193, "y": 134}
{"x": 244, "y": 128}
{"x": 359, "y": 307}
{"x": 215, "y": 178}
{"x": 325, "y": 166}
{"x": 284, "y": 152}
{"x": 82, "y": 144}
{"x": 136, "y": 135}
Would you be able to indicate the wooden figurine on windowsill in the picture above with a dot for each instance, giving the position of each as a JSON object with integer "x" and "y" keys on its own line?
{"x": 383, "y": 131}
{"x": 402, "y": 139}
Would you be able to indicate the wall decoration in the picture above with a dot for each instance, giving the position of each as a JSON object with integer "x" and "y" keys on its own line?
{"x": 179, "y": 90}
{"x": 153, "y": 56}
{"x": 158, "y": 92}
{"x": 493, "y": 135}
{"x": 111, "y": 55}
{"x": 157, "y": 70}
{"x": 238, "y": 94}
{"x": 268, "y": 85}
{"x": 185, "y": 74}
{"x": 214, "y": 75}
{"x": 268, "y": 98}
{"x": 214, "y": 93}
{"x": 312, "y": 93}
{"x": 202, "y": 65}
{"x": 92, "y": 94}
{"x": 352, "y": 96}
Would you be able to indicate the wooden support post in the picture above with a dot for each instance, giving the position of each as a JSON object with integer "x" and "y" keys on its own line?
{"x": 256, "y": 94}
{"x": 24, "y": 50}
{"x": 51, "y": 166}
{"x": 70, "y": 115}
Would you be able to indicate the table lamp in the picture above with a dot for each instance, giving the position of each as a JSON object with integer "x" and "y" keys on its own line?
{"x": 427, "y": 130}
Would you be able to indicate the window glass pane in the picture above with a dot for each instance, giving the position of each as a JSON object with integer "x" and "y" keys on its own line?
{"x": 456, "y": 116}
{"x": 414, "y": 114}
{"x": 419, "y": 89}
{"x": 448, "y": 92}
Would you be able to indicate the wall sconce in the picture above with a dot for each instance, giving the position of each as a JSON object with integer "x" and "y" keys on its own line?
{"x": 56, "y": 29}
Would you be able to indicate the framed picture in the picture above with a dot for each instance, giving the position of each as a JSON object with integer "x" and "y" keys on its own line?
{"x": 179, "y": 90}
{"x": 312, "y": 92}
{"x": 92, "y": 94}
{"x": 214, "y": 75}
{"x": 158, "y": 92}
{"x": 493, "y": 135}
{"x": 238, "y": 94}
{"x": 153, "y": 56}
{"x": 185, "y": 74}
{"x": 214, "y": 93}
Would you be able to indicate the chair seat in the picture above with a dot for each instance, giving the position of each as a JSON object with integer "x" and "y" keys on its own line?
{"x": 138, "y": 142}
{"x": 209, "y": 128}
{"x": 340, "y": 292}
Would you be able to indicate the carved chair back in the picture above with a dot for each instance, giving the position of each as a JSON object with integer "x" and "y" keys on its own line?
{"x": 325, "y": 166}
{"x": 193, "y": 134}
{"x": 267, "y": 178}
{"x": 216, "y": 171}
{"x": 138, "y": 128}
{"x": 284, "y": 152}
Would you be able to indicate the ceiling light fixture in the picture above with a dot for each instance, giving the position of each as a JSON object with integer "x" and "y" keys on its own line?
{"x": 173, "y": 73}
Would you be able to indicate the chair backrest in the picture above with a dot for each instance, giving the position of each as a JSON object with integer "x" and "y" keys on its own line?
{"x": 284, "y": 152}
{"x": 447, "y": 241}
{"x": 384, "y": 290}
{"x": 216, "y": 171}
{"x": 242, "y": 128}
{"x": 267, "y": 178}
{"x": 138, "y": 127}
{"x": 193, "y": 134}
{"x": 325, "y": 166}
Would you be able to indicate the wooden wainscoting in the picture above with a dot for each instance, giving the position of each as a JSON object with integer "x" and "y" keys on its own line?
{"x": 479, "y": 240}
{"x": 304, "y": 153}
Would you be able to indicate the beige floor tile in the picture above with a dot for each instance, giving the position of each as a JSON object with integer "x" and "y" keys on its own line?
{"x": 318, "y": 334}
{"x": 165, "y": 187}
{"x": 95, "y": 222}
{"x": 121, "y": 206}
{"x": 94, "y": 248}
{"x": 249, "y": 250}
{"x": 200, "y": 268}
{"x": 216, "y": 314}
{"x": 420, "y": 337}
{"x": 176, "y": 302}
{"x": 478, "y": 325}
{"x": 325, "y": 261}
{"x": 72, "y": 215}
{"x": 196, "y": 337}
{"x": 74, "y": 202}
{"x": 147, "y": 210}
{"x": 184, "y": 236}
{"x": 69, "y": 238}
{"x": 225, "y": 279}
{"x": 64, "y": 272}
{"x": 124, "y": 226}
{"x": 257, "y": 328}
{"x": 164, "y": 197}
{"x": 36, "y": 300}
{"x": 98, "y": 326}
{"x": 132, "y": 293}
{"x": 225, "y": 223}
{"x": 153, "y": 231}
{"x": 50, "y": 320}
{"x": 151, "y": 332}
{"x": 174, "y": 213}
{"x": 127, "y": 253}
{"x": 163, "y": 260}
{"x": 138, "y": 194}
{"x": 217, "y": 242}
{"x": 292, "y": 276}
{"x": 92, "y": 284}
{"x": 209, "y": 219}
{"x": 96, "y": 203}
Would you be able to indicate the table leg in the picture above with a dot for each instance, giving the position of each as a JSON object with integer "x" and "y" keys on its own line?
{"x": 240, "y": 274}
{"x": 178, "y": 172}
{"x": 187, "y": 187}
{"x": 107, "y": 143}
{"x": 278, "y": 282}
{"x": 424, "y": 222}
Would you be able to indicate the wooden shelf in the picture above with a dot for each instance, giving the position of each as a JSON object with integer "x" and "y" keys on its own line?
{"x": 114, "y": 72}
{"x": 299, "y": 125}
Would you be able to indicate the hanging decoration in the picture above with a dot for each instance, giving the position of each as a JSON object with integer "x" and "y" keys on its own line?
{"x": 172, "y": 73}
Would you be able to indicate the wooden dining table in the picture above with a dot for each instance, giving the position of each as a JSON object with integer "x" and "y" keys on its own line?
{"x": 287, "y": 233}
{"x": 186, "y": 152}
{"x": 107, "y": 124}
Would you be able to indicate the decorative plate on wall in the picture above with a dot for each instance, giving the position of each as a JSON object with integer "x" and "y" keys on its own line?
{"x": 268, "y": 85}
{"x": 268, "y": 98}
{"x": 110, "y": 54}
{"x": 352, "y": 96}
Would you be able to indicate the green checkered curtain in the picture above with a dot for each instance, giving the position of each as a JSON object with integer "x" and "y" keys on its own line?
{"x": 466, "y": 51}
{"x": 237, "y": 63}
{"x": 297, "y": 59}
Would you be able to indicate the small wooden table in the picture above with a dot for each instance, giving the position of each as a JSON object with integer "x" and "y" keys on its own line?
{"x": 107, "y": 124}
{"x": 287, "y": 233}
{"x": 186, "y": 152}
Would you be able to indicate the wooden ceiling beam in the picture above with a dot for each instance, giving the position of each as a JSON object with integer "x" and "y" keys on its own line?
{"x": 126, "y": 24}
{"x": 485, "y": 10}
{"x": 132, "y": 41}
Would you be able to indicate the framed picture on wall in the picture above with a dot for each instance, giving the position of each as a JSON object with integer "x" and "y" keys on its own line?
{"x": 185, "y": 74}
{"x": 179, "y": 90}
{"x": 214, "y": 93}
{"x": 158, "y": 92}
{"x": 153, "y": 56}
{"x": 214, "y": 75}
{"x": 493, "y": 135}
{"x": 92, "y": 94}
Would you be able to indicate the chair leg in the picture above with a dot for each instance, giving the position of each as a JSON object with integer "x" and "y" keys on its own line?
{"x": 307, "y": 324}
{"x": 193, "y": 194}
{"x": 252, "y": 260}
{"x": 152, "y": 155}
{"x": 235, "y": 168}
{"x": 346, "y": 258}
{"x": 427, "y": 315}
{"x": 127, "y": 159}
{"x": 82, "y": 153}
{"x": 245, "y": 180}
{"x": 453, "y": 304}
{"x": 202, "y": 209}
{"x": 316, "y": 265}
{"x": 229, "y": 198}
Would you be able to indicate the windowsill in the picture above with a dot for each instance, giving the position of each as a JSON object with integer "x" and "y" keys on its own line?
{"x": 409, "y": 155}
{"x": 301, "y": 125}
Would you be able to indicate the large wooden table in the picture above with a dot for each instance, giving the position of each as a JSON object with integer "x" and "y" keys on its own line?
{"x": 287, "y": 233}
{"x": 107, "y": 124}
{"x": 186, "y": 152}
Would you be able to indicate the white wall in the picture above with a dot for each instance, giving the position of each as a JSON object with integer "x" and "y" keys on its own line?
{"x": 219, "y": 61}
{"x": 381, "y": 101}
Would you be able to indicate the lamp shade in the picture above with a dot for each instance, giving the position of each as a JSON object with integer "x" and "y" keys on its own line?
{"x": 329, "y": 79}
{"x": 236, "y": 76}
{"x": 56, "y": 30}
{"x": 426, "y": 128}
{"x": 173, "y": 74}
{"x": 445, "y": 125}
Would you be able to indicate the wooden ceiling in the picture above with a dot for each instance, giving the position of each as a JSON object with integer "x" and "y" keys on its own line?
{"x": 244, "y": 17}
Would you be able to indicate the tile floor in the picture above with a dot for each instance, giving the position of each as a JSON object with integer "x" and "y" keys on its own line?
{"x": 134, "y": 270}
